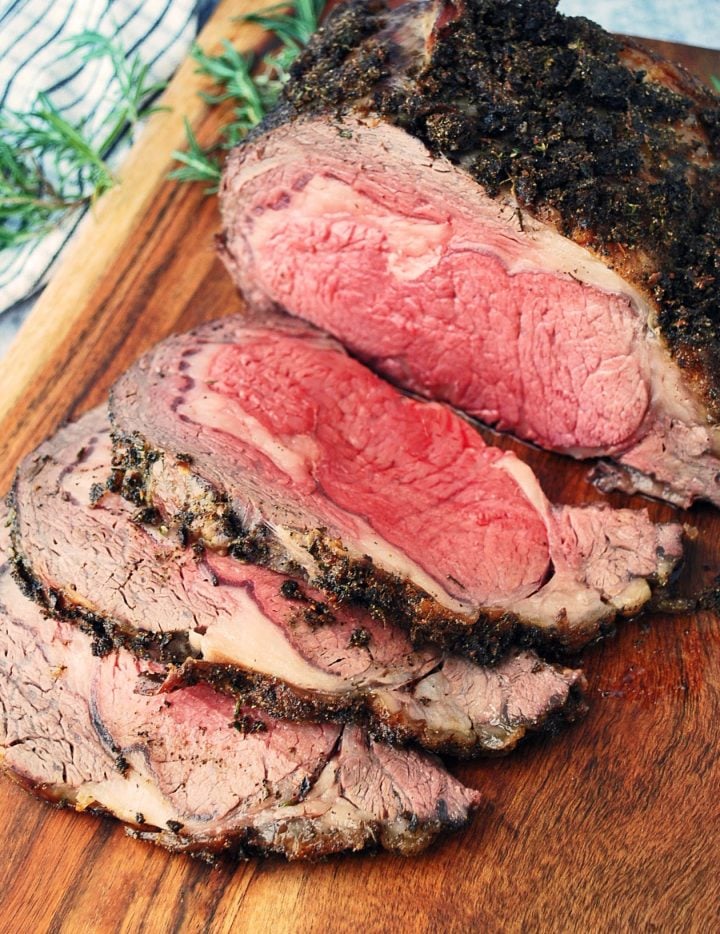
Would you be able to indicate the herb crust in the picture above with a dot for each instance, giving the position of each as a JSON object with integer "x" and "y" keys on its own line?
{"x": 616, "y": 148}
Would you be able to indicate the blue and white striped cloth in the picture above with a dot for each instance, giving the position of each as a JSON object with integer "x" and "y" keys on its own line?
{"x": 33, "y": 57}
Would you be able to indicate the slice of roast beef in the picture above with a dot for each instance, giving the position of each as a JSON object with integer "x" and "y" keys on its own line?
{"x": 192, "y": 772}
{"x": 506, "y": 209}
{"x": 264, "y": 637}
{"x": 260, "y": 435}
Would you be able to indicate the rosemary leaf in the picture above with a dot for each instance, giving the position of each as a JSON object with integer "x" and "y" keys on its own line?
{"x": 197, "y": 165}
{"x": 253, "y": 84}
{"x": 292, "y": 24}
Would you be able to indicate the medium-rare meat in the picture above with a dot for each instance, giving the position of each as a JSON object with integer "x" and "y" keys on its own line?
{"x": 265, "y": 637}
{"x": 260, "y": 435}
{"x": 192, "y": 772}
{"x": 506, "y": 209}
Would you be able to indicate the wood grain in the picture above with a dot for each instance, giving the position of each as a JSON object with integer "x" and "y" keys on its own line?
{"x": 612, "y": 826}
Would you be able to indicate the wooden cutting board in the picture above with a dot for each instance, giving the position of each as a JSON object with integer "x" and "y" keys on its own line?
{"x": 614, "y": 825}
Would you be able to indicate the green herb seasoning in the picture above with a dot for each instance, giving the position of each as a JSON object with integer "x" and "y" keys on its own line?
{"x": 253, "y": 82}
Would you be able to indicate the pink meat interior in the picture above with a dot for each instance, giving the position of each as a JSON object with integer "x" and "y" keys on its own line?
{"x": 421, "y": 477}
{"x": 437, "y": 290}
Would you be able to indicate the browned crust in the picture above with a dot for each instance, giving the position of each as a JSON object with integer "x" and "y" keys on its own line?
{"x": 617, "y": 148}
{"x": 344, "y": 578}
{"x": 295, "y": 839}
{"x": 106, "y": 633}
{"x": 269, "y": 693}
{"x": 287, "y": 702}
{"x": 252, "y": 688}
{"x": 484, "y": 638}
{"x": 298, "y": 839}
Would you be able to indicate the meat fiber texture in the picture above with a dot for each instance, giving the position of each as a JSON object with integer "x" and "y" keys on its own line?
{"x": 260, "y": 435}
{"x": 266, "y": 638}
{"x": 508, "y": 210}
{"x": 190, "y": 771}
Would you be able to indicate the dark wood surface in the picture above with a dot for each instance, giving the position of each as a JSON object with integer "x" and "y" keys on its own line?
{"x": 614, "y": 825}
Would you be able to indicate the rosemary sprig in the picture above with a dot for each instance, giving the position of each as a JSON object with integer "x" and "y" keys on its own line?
{"x": 254, "y": 83}
{"x": 134, "y": 89}
{"x": 715, "y": 81}
{"x": 291, "y": 23}
{"x": 197, "y": 164}
{"x": 49, "y": 166}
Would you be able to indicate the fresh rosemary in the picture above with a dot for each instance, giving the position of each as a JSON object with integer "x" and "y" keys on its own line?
{"x": 251, "y": 81}
{"x": 49, "y": 166}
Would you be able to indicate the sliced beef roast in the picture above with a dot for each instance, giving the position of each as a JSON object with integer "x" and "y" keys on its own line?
{"x": 265, "y": 637}
{"x": 506, "y": 209}
{"x": 260, "y": 435}
{"x": 191, "y": 771}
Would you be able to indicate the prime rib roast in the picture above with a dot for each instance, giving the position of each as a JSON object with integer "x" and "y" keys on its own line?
{"x": 193, "y": 771}
{"x": 506, "y": 209}
{"x": 259, "y": 435}
{"x": 231, "y": 612}
{"x": 266, "y": 638}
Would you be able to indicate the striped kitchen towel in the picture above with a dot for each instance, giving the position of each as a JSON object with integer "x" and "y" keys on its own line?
{"x": 34, "y": 57}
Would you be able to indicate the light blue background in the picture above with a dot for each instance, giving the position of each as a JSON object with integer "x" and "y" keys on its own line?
{"x": 696, "y": 22}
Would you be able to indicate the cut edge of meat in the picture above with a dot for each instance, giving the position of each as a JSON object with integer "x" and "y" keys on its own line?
{"x": 290, "y": 837}
{"x": 379, "y": 712}
{"x": 447, "y": 704}
{"x": 485, "y": 638}
{"x": 115, "y": 772}
{"x": 395, "y": 61}
{"x": 387, "y": 714}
